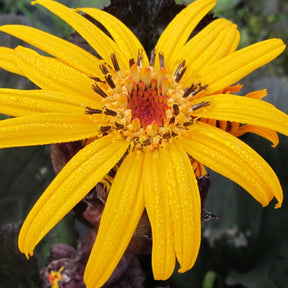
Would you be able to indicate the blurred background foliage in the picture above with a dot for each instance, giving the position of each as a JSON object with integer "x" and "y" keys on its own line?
{"x": 246, "y": 248}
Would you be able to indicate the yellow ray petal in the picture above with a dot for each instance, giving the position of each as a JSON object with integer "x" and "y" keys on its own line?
{"x": 123, "y": 36}
{"x": 268, "y": 134}
{"x": 7, "y": 60}
{"x": 15, "y": 102}
{"x": 45, "y": 128}
{"x": 214, "y": 42}
{"x": 51, "y": 74}
{"x": 103, "y": 44}
{"x": 122, "y": 212}
{"x": 55, "y": 46}
{"x": 157, "y": 205}
{"x": 179, "y": 29}
{"x": 235, "y": 160}
{"x": 244, "y": 110}
{"x": 73, "y": 182}
{"x": 184, "y": 203}
{"x": 237, "y": 65}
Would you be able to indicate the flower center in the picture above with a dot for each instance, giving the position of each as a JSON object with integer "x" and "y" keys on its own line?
{"x": 144, "y": 105}
{"x": 147, "y": 102}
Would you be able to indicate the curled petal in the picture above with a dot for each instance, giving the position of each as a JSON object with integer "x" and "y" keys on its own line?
{"x": 235, "y": 160}
{"x": 72, "y": 183}
{"x": 57, "y": 47}
{"x": 160, "y": 215}
{"x": 268, "y": 134}
{"x": 243, "y": 110}
{"x": 237, "y": 65}
{"x": 123, "y": 210}
{"x": 215, "y": 41}
{"x": 99, "y": 41}
{"x": 179, "y": 29}
{"x": 127, "y": 42}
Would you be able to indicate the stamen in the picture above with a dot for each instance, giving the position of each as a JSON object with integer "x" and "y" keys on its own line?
{"x": 147, "y": 142}
{"x": 99, "y": 91}
{"x": 146, "y": 76}
{"x": 172, "y": 120}
{"x": 200, "y": 89}
{"x": 110, "y": 112}
{"x": 135, "y": 73}
{"x": 118, "y": 126}
{"x": 153, "y": 84}
{"x": 199, "y": 105}
{"x": 180, "y": 71}
{"x": 180, "y": 74}
{"x": 160, "y": 76}
{"x": 188, "y": 123}
{"x": 115, "y": 62}
{"x": 97, "y": 79}
{"x": 93, "y": 111}
{"x": 109, "y": 80}
{"x": 188, "y": 91}
{"x": 165, "y": 86}
{"x": 140, "y": 58}
{"x": 129, "y": 84}
{"x": 105, "y": 128}
{"x": 161, "y": 59}
{"x": 167, "y": 135}
{"x": 181, "y": 65}
{"x": 103, "y": 68}
{"x": 131, "y": 62}
{"x": 176, "y": 109}
{"x": 152, "y": 57}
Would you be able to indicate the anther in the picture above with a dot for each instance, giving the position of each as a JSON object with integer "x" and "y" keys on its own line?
{"x": 147, "y": 142}
{"x": 110, "y": 81}
{"x": 140, "y": 58}
{"x": 104, "y": 69}
{"x": 115, "y": 62}
{"x": 172, "y": 120}
{"x": 97, "y": 79}
{"x": 131, "y": 62}
{"x": 199, "y": 105}
{"x": 188, "y": 91}
{"x": 176, "y": 109}
{"x": 161, "y": 59}
{"x": 188, "y": 123}
{"x": 200, "y": 89}
{"x": 118, "y": 126}
{"x": 167, "y": 135}
{"x": 93, "y": 111}
{"x": 99, "y": 91}
{"x": 180, "y": 71}
{"x": 105, "y": 128}
{"x": 110, "y": 112}
{"x": 152, "y": 57}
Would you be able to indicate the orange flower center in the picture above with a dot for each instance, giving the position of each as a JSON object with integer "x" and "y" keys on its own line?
{"x": 147, "y": 104}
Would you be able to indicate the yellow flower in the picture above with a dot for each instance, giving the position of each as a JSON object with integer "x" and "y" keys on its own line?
{"x": 147, "y": 112}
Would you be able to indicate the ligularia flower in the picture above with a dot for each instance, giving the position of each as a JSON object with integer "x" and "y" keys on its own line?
{"x": 154, "y": 116}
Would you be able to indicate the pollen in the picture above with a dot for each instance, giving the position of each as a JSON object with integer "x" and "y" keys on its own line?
{"x": 146, "y": 106}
